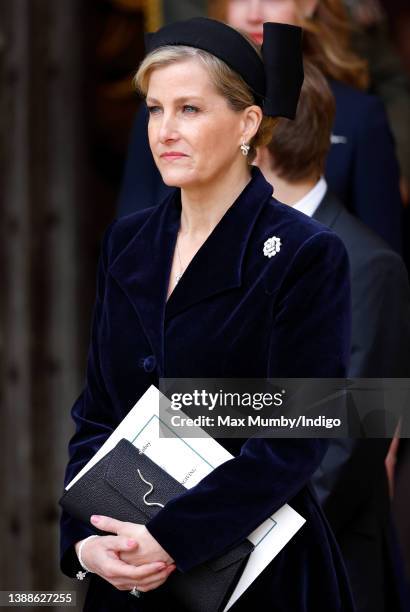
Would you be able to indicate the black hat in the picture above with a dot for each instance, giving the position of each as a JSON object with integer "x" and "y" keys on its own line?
{"x": 275, "y": 80}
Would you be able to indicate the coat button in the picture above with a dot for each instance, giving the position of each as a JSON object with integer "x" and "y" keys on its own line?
{"x": 148, "y": 363}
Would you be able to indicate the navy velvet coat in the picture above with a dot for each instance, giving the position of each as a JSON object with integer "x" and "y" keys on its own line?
{"x": 361, "y": 168}
{"x": 235, "y": 313}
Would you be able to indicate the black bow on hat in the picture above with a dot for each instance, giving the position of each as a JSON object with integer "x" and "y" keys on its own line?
{"x": 275, "y": 80}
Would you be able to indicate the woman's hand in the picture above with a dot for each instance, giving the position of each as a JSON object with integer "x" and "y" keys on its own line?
{"x": 102, "y": 556}
{"x": 149, "y": 564}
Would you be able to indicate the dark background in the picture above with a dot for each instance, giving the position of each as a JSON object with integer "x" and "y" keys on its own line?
{"x": 66, "y": 106}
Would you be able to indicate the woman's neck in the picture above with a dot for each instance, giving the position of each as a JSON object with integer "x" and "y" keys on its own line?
{"x": 204, "y": 206}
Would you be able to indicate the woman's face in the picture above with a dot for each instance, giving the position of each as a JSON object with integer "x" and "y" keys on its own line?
{"x": 193, "y": 134}
{"x": 250, "y": 15}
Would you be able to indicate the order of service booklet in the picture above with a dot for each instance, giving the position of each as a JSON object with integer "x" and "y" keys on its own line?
{"x": 188, "y": 460}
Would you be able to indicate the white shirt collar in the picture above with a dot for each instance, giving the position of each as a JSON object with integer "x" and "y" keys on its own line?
{"x": 310, "y": 202}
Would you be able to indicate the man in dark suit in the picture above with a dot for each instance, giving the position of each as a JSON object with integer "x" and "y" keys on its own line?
{"x": 351, "y": 482}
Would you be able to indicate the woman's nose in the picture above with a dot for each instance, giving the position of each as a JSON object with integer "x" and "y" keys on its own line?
{"x": 168, "y": 128}
{"x": 254, "y": 14}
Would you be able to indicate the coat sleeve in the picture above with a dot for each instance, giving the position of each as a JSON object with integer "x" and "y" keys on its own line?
{"x": 227, "y": 505}
{"x": 94, "y": 418}
{"x": 375, "y": 196}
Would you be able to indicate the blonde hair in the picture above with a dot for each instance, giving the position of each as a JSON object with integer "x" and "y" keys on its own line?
{"x": 326, "y": 40}
{"x": 226, "y": 81}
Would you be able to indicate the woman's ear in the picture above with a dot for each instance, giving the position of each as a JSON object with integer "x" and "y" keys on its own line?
{"x": 251, "y": 120}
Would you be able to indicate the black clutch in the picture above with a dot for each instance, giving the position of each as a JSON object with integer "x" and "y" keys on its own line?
{"x": 128, "y": 486}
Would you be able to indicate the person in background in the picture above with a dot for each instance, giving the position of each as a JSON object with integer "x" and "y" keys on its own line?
{"x": 361, "y": 166}
{"x": 351, "y": 481}
{"x": 382, "y": 27}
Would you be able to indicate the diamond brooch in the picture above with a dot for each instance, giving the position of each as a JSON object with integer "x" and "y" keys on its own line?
{"x": 272, "y": 246}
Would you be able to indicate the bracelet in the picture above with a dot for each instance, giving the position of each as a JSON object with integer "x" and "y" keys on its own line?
{"x": 81, "y": 575}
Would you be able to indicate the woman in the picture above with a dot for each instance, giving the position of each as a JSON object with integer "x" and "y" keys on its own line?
{"x": 361, "y": 168}
{"x": 190, "y": 289}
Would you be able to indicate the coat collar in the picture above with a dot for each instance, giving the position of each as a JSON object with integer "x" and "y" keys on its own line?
{"x": 143, "y": 267}
{"x": 328, "y": 210}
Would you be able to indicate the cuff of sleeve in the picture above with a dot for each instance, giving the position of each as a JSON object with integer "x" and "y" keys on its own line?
{"x": 69, "y": 563}
{"x": 163, "y": 536}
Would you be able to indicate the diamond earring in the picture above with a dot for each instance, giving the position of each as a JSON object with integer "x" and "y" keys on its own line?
{"x": 245, "y": 149}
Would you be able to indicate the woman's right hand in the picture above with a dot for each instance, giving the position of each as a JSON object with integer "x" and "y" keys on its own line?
{"x": 101, "y": 556}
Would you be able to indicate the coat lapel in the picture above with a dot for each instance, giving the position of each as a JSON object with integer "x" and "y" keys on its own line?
{"x": 217, "y": 266}
{"x": 143, "y": 268}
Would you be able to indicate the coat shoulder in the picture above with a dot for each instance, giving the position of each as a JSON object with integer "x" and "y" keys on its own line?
{"x": 366, "y": 249}
{"x": 358, "y": 111}
{"x": 351, "y": 98}
{"x": 307, "y": 248}
{"x": 296, "y": 228}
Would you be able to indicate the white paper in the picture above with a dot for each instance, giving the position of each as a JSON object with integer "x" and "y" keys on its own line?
{"x": 189, "y": 460}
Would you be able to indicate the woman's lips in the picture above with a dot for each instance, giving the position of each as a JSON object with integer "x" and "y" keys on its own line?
{"x": 173, "y": 155}
{"x": 257, "y": 37}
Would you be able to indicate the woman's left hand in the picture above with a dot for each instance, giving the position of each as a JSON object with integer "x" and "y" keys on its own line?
{"x": 147, "y": 551}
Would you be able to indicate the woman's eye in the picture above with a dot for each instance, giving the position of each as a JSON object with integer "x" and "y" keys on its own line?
{"x": 187, "y": 108}
{"x": 153, "y": 110}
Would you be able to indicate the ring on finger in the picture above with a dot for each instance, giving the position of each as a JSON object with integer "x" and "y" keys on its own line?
{"x": 135, "y": 592}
